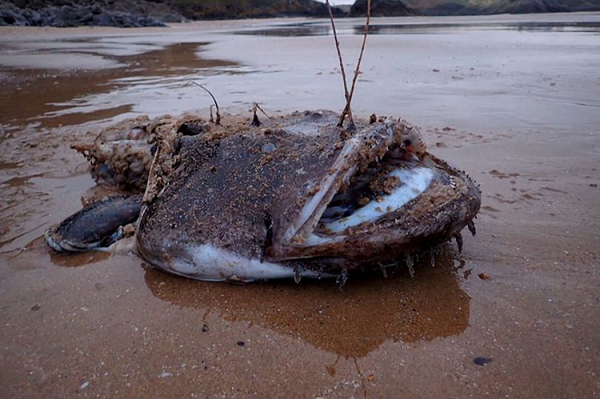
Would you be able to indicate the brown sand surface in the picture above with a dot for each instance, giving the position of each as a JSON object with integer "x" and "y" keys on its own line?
{"x": 514, "y": 101}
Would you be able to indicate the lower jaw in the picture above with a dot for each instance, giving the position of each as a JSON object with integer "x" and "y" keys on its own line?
{"x": 207, "y": 263}
{"x": 434, "y": 216}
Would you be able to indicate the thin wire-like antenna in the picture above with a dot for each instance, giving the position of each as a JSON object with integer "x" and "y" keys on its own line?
{"x": 347, "y": 109}
{"x": 360, "y": 57}
{"x": 339, "y": 53}
{"x": 218, "y": 121}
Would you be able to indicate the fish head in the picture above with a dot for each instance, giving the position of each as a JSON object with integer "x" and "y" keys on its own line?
{"x": 385, "y": 197}
{"x": 300, "y": 192}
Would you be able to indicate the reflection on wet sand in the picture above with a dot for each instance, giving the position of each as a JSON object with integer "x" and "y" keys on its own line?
{"x": 394, "y": 29}
{"x": 76, "y": 259}
{"x": 350, "y": 324}
{"x": 8, "y": 165}
{"x": 322, "y": 29}
{"x": 41, "y": 94}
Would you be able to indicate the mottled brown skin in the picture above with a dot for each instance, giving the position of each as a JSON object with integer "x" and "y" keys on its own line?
{"x": 242, "y": 191}
{"x": 237, "y": 194}
{"x": 430, "y": 219}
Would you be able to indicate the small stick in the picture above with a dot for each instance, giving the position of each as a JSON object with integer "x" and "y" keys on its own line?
{"x": 261, "y": 110}
{"x": 218, "y": 121}
{"x": 255, "y": 120}
{"x": 362, "y": 51}
{"x": 347, "y": 110}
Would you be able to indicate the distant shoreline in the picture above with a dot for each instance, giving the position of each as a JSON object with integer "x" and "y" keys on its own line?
{"x": 136, "y": 14}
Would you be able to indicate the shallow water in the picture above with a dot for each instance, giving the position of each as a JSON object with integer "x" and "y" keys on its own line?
{"x": 323, "y": 28}
{"x": 513, "y": 100}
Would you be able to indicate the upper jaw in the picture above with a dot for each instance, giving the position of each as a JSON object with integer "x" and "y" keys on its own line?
{"x": 358, "y": 152}
{"x": 444, "y": 202}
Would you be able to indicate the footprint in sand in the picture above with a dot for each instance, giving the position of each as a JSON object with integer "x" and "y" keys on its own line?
{"x": 462, "y": 136}
{"x": 554, "y": 190}
{"x": 501, "y": 175}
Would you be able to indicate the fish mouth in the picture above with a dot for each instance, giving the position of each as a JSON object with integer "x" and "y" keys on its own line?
{"x": 365, "y": 182}
{"x": 373, "y": 191}
{"x": 372, "y": 195}
{"x": 303, "y": 196}
{"x": 356, "y": 156}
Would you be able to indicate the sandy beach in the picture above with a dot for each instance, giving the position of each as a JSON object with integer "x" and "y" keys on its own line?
{"x": 512, "y": 100}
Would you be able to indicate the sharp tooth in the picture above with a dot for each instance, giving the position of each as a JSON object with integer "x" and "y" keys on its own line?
{"x": 472, "y": 228}
{"x": 342, "y": 279}
{"x": 297, "y": 276}
{"x": 382, "y": 267}
{"x": 410, "y": 264}
{"x": 459, "y": 241}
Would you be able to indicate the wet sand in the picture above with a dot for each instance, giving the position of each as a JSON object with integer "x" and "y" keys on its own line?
{"x": 513, "y": 100}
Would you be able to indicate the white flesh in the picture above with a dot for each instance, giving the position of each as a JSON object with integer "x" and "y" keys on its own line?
{"x": 413, "y": 182}
{"x": 325, "y": 193}
{"x": 208, "y": 263}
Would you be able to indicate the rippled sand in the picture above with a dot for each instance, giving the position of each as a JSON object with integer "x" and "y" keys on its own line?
{"x": 515, "y": 101}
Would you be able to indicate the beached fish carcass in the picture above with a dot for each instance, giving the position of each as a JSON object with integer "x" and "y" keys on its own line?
{"x": 297, "y": 196}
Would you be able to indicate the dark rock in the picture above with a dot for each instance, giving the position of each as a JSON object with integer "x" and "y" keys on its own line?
{"x": 12, "y": 16}
{"x": 192, "y": 128}
{"x": 101, "y": 19}
{"x": 171, "y": 18}
{"x": 34, "y": 17}
{"x": 255, "y": 9}
{"x": 481, "y": 361}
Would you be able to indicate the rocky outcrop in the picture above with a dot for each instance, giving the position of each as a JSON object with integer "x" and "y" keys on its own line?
{"x": 232, "y": 9}
{"x": 477, "y": 7}
{"x": 381, "y": 8}
{"x": 131, "y": 13}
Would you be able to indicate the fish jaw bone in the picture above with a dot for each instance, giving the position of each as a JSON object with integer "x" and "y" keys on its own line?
{"x": 209, "y": 263}
{"x": 357, "y": 153}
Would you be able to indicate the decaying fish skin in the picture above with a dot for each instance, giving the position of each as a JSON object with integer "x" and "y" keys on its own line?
{"x": 294, "y": 196}
{"x": 96, "y": 226}
{"x": 121, "y": 154}
{"x": 299, "y": 196}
